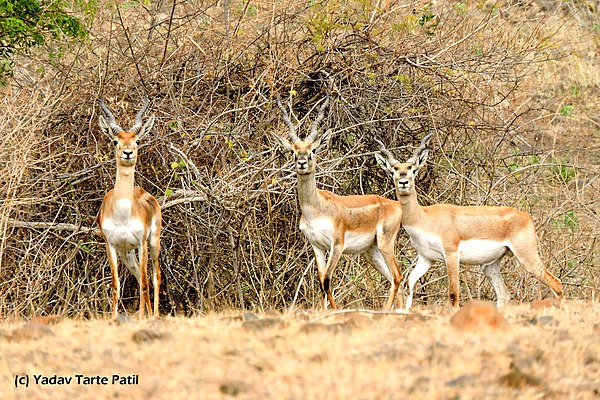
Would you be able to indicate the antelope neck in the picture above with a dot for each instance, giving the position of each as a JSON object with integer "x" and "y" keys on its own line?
{"x": 124, "y": 182}
{"x": 411, "y": 210}
{"x": 307, "y": 190}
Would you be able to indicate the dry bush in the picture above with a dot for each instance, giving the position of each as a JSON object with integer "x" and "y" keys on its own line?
{"x": 465, "y": 71}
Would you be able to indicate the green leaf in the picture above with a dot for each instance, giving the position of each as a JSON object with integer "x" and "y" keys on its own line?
{"x": 566, "y": 110}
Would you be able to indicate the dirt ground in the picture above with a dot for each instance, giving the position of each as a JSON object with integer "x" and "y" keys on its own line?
{"x": 551, "y": 352}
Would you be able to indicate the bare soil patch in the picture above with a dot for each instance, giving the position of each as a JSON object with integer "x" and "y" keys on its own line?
{"x": 550, "y": 352}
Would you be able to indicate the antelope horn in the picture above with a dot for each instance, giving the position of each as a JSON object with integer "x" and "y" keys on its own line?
{"x": 386, "y": 152}
{"x": 138, "y": 117}
{"x": 315, "y": 125}
{"x": 109, "y": 116}
{"x": 422, "y": 146}
{"x": 286, "y": 118}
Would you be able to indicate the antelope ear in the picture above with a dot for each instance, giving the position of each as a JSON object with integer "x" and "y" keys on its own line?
{"x": 322, "y": 142}
{"x": 383, "y": 163}
{"x": 421, "y": 158}
{"x": 146, "y": 127}
{"x": 284, "y": 142}
{"x": 105, "y": 127}
{"x": 419, "y": 161}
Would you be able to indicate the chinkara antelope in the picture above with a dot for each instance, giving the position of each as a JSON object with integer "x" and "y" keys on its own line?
{"x": 337, "y": 224}
{"x": 130, "y": 217}
{"x": 472, "y": 235}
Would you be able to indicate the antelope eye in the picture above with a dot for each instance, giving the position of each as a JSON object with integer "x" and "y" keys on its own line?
{"x": 115, "y": 142}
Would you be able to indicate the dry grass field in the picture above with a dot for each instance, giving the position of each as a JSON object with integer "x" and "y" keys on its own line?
{"x": 511, "y": 90}
{"x": 550, "y": 353}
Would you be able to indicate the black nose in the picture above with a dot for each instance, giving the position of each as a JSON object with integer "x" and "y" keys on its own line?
{"x": 128, "y": 153}
{"x": 302, "y": 164}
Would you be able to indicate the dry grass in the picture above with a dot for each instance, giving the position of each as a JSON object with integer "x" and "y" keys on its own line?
{"x": 544, "y": 353}
{"x": 513, "y": 99}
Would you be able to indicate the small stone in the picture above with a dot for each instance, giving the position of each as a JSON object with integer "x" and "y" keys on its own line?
{"x": 47, "y": 319}
{"x": 543, "y": 320}
{"x": 249, "y": 316}
{"x": 476, "y": 315}
{"x": 518, "y": 379}
{"x": 415, "y": 317}
{"x": 31, "y": 331}
{"x": 319, "y": 328}
{"x": 356, "y": 320}
{"x": 233, "y": 387}
{"x": 123, "y": 319}
{"x": 262, "y": 324}
{"x": 460, "y": 381}
{"x": 148, "y": 335}
{"x": 540, "y": 304}
{"x": 272, "y": 313}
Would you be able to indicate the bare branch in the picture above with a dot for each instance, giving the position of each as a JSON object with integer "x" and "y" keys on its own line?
{"x": 52, "y": 225}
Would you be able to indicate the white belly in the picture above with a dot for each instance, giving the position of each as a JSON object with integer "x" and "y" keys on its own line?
{"x": 470, "y": 252}
{"x": 478, "y": 252}
{"x": 319, "y": 232}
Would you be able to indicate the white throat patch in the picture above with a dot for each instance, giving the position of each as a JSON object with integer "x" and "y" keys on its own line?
{"x": 123, "y": 209}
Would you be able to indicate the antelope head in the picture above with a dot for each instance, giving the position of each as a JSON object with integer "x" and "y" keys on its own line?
{"x": 126, "y": 142}
{"x": 304, "y": 150}
{"x": 403, "y": 173}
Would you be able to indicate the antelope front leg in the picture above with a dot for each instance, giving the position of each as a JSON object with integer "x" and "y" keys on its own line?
{"x": 114, "y": 271}
{"x": 144, "y": 293}
{"x": 420, "y": 269}
{"x": 321, "y": 261}
{"x": 334, "y": 257}
{"x": 453, "y": 265}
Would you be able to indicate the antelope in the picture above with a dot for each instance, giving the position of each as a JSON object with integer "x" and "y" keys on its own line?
{"x": 472, "y": 235}
{"x": 130, "y": 218}
{"x": 366, "y": 225}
